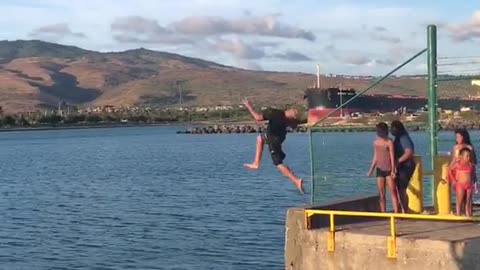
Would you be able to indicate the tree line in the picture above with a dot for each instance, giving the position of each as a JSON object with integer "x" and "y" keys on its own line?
{"x": 96, "y": 118}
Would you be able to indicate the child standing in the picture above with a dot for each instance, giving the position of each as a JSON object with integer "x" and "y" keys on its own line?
{"x": 461, "y": 174}
{"x": 383, "y": 160}
{"x": 462, "y": 140}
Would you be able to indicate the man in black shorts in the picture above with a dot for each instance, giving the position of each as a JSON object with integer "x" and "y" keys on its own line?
{"x": 278, "y": 121}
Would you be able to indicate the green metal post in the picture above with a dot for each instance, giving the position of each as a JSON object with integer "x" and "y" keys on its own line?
{"x": 432, "y": 94}
{"x": 432, "y": 89}
{"x": 312, "y": 165}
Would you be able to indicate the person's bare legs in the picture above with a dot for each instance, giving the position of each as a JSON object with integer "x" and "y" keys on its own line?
{"x": 286, "y": 172}
{"x": 258, "y": 154}
{"x": 459, "y": 194}
{"x": 381, "y": 192}
{"x": 392, "y": 189}
{"x": 468, "y": 203}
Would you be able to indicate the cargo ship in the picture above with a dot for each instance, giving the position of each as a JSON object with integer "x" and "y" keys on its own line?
{"x": 322, "y": 101}
{"x": 325, "y": 100}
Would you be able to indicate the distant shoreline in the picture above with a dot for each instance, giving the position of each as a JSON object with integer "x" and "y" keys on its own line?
{"x": 229, "y": 127}
{"x": 118, "y": 125}
{"x": 46, "y": 128}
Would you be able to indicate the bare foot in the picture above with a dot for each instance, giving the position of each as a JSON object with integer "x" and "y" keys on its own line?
{"x": 299, "y": 185}
{"x": 251, "y": 166}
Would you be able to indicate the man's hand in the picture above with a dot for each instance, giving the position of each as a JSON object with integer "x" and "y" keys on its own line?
{"x": 247, "y": 103}
{"x": 256, "y": 116}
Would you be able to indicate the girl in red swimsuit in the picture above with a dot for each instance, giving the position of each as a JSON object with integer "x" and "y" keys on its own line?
{"x": 462, "y": 140}
{"x": 461, "y": 175}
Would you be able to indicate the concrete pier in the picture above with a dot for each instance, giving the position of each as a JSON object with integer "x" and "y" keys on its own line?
{"x": 361, "y": 243}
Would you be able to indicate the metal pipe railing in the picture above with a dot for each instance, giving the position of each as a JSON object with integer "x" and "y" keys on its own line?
{"x": 391, "y": 239}
{"x": 312, "y": 212}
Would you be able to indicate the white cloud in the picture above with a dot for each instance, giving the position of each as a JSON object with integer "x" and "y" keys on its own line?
{"x": 55, "y": 32}
{"x": 140, "y": 30}
{"x": 193, "y": 27}
{"x": 250, "y": 25}
{"x": 239, "y": 49}
{"x": 467, "y": 31}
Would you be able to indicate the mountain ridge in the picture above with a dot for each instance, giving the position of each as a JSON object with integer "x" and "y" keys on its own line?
{"x": 36, "y": 74}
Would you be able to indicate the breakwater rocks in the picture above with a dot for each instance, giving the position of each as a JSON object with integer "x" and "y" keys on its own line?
{"x": 239, "y": 129}
{"x": 245, "y": 128}
{"x": 233, "y": 129}
{"x": 466, "y": 124}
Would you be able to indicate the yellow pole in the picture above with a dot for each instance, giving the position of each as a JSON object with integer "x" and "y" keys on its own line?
{"x": 331, "y": 235}
{"x": 415, "y": 188}
{"x": 391, "y": 240}
{"x": 442, "y": 199}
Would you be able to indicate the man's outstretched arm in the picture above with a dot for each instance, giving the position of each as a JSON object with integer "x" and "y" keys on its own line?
{"x": 257, "y": 116}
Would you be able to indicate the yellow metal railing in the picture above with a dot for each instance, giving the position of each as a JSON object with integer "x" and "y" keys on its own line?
{"x": 391, "y": 239}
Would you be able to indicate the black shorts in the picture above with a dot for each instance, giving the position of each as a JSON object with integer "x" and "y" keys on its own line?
{"x": 404, "y": 173}
{"x": 275, "y": 146}
{"x": 382, "y": 173}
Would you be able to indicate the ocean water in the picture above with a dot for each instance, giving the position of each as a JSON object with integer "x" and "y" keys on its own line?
{"x": 342, "y": 161}
{"x": 147, "y": 198}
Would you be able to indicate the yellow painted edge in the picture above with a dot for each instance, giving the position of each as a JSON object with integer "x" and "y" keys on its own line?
{"x": 391, "y": 247}
{"x": 330, "y": 241}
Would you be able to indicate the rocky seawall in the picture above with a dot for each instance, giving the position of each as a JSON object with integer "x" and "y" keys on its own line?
{"x": 248, "y": 128}
{"x": 233, "y": 129}
{"x": 466, "y": 124}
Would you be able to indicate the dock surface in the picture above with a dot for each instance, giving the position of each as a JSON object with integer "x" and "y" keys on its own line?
{"x": 361, "y": 243}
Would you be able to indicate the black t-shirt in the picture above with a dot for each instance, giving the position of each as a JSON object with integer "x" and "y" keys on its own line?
{"x": 400, "y": 144}
{"x": 277, "y": 122}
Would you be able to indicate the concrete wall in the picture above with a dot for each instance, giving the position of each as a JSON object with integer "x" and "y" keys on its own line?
{"x": 306, "y": 249}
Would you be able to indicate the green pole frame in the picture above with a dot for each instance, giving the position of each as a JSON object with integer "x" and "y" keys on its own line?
{"x": 432, "y": 94}
{"x": 312, "y": 166}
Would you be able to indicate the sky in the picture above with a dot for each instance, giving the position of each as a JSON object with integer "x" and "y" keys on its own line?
{"x": 368, "y": 37}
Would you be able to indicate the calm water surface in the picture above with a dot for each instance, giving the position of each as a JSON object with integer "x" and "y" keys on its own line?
{"x": 147, "y": 198}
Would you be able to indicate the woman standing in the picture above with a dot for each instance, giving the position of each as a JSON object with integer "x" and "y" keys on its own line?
{"x": 404, "y": 150}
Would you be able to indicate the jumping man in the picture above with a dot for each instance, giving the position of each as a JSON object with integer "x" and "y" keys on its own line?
{"x": 278, "y": 121}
